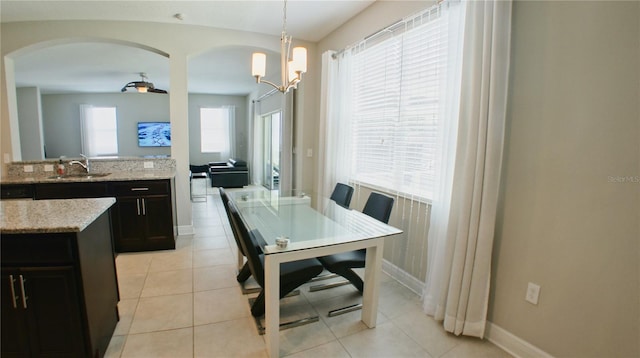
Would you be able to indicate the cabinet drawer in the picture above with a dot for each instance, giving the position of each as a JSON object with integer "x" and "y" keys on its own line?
{"x": 140, "y": 188}
{"x": 34, "y": 249}
{"x": 71, "y": 190}
{"x": 17, "y": 191}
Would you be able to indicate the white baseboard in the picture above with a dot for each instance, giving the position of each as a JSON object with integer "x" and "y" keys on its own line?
{"x": 403, "y": 277}
{"x": 497, "y": 335}
{"x": 185, "y": 230}
{"x": 512, "y": 344}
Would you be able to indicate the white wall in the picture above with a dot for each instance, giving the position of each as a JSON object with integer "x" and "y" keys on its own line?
{"x": 197, "y": 101}
{"x": 30, "y": 118}
{"x": 566, "y": 222}
{"x": 61, "y": 120}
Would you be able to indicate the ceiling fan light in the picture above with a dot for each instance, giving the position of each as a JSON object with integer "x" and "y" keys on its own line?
{"x": 142, "y": 89}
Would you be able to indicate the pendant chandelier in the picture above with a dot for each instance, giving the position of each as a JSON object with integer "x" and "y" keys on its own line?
{"x": 292, "y": 63}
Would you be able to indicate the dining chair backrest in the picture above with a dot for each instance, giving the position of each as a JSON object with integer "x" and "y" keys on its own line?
{"x": 342, "y": 194}
{"x": 234, "y": 231}
{"x": 379, "y": 207}
{"x": 249, "y": 245}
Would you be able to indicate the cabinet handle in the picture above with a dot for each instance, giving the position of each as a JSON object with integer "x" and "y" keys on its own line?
{"x": 138, "y": 206}
{"x": 139, "y": 189}
{"x": 144, "y": 207}
{"x": 14, "y": 298}
{"x": 24, "y": 295}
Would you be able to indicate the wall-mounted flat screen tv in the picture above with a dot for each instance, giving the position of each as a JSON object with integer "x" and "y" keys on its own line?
{"x": 154, "y": 134}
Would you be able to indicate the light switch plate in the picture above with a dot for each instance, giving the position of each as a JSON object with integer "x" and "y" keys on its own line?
{"x": 48, "y": 167}
{"x": 28, "y": 168}
{"x": 148, "y": 165}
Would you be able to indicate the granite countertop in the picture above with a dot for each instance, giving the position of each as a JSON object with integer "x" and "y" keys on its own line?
{"x": 114, "y": 176}
{"x": 50, "y": 216}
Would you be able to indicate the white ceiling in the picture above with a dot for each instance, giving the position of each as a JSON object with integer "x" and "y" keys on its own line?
{"x": 101, "y": 67}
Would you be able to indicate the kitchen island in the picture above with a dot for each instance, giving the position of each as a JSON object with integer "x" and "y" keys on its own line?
{"x": 143, "y": 216}
{"x": 59, "y": 286}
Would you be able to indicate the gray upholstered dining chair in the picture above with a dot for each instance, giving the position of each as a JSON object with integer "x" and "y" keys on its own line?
{"x": 379, "y": 207}
{"x": 292, "y": 274}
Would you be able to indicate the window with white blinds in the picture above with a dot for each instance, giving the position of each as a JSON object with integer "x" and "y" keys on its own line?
{"x": 99, "y": 130}
{"x": 396, "y": 86}
{"x": 214, "y": 130}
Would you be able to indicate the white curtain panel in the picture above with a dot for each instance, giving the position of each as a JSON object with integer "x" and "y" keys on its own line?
{"x": 335, "y": 125}
{"x": 457, "y": 285}
{"x": 231, "y": 130}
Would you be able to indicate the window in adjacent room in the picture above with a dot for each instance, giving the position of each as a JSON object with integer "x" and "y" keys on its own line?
{"x": 216, "y": 128}
{"x": 99, "y": 127}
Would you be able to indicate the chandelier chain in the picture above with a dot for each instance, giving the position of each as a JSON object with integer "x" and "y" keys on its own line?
{"x": 284, "y": 18}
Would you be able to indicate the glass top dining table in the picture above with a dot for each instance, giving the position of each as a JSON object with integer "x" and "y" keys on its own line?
{"x": 292, "y": 230}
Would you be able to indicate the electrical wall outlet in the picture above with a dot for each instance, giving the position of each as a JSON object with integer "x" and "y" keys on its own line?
{"x": 48, "y": 167}
{"x": 7, "y": 158}
{"x": 28, "y": 168}
{"x": 309, "y": 152}
{"x": 148, "y": 165}
{"x": 533, "y": 292}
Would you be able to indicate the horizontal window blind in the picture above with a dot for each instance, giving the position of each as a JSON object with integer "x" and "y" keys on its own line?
{"x": 214, "y": 130}
{"x": 396, "y": 85}
{"x": 99, "y": 129}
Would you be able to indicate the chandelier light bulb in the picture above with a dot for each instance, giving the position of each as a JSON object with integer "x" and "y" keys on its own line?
{"x": 299, "y": 59}
{"x": 293, "y": 63}
{"x": 259, "y": 64}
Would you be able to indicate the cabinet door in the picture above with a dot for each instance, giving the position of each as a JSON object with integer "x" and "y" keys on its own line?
{"x": 14, "y": 328}
{"x": 128, "y": 224}
{"x": 157, "y": 216}
{"x": 53, "y": 307}
{"x": 49, "y": 308}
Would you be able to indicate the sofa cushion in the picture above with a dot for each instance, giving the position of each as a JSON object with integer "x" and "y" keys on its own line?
{"x": 230, "y": 174}
{"x": 237, "y": 163}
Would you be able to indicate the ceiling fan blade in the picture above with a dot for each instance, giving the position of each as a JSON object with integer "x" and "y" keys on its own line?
{"x": 130, "y": 84}
{"x": 142, "y": 84}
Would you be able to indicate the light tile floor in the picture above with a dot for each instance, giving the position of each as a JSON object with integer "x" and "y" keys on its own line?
{"x": 187, "y": 303}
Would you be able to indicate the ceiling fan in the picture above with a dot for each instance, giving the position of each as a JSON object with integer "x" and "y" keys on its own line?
{"x": 142, "y": 86}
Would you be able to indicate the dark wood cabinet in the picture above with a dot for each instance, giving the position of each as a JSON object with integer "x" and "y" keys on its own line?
{"x": 40, "y": 312}
{"x": 59, "y": 292}
{"x": 76, "y": 190}
{"x": 142, "y": 216}
{"x": 16, "y": 191}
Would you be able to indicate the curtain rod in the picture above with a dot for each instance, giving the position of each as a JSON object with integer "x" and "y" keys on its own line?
{"x": 389, "y": 28}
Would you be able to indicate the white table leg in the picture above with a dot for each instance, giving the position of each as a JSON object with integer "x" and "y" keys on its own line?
{"x": 372, "y": 275}
{"x": 272, "y": 305}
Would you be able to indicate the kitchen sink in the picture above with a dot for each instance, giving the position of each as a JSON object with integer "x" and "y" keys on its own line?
{"x": 79, "y": 176}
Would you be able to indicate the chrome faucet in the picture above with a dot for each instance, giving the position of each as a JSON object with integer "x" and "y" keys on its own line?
{"x": 85, "y": 165}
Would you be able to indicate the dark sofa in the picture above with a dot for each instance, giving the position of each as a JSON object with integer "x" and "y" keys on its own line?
{"x": 233, "y": 173}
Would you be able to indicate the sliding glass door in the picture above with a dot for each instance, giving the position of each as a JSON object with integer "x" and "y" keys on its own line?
{"x": 271, "y": 149}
